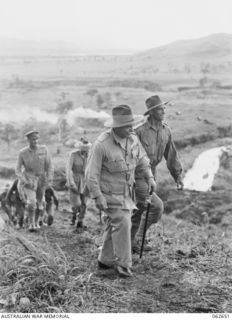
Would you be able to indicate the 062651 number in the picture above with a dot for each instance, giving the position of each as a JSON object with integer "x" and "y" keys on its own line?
{"x": 220, "y": 316}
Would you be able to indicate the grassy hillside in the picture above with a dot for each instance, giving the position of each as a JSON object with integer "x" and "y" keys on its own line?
{"x": 188, "y": 271}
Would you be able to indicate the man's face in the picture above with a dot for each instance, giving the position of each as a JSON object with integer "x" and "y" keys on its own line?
{"x": 123, "y": 132}
{"x": 33, "y": 141}
{"x": 158, "y": 113}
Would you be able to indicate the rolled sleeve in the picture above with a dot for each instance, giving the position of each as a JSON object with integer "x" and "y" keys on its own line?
{"x": 172, "y": 159}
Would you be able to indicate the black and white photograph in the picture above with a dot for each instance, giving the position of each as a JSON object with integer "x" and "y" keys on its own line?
{"x": 116, "y": 159}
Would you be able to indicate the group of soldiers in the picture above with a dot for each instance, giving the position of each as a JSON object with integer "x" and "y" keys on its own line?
{"x": 118, "y": 171}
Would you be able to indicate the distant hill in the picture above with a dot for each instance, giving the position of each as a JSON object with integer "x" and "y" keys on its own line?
{"x": 215, "y": 46}
{"x": 17, "y": 47}
{"x": 33, "y": 47}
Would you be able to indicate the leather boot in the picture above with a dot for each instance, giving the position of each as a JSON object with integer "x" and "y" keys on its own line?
{"x": 124, "y": 272}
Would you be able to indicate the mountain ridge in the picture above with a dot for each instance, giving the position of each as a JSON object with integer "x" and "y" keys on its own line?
{"x": 213, "y": 46}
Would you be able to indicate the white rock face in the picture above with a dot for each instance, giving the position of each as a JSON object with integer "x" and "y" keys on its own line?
{"x": 200, "y": 177}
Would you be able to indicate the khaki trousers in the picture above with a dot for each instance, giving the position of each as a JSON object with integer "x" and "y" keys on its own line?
{"x": 116, "y": 248}
{"x": 34, "y": 198}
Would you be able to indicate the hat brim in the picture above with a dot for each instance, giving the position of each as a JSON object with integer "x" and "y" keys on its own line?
{"x": 31, "y": 132}
{"x": 83, "y": 147}
{"x": 110, "y": 123}
{"x": 156, "y": 106}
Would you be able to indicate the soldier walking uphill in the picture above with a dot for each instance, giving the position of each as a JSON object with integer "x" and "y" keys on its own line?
{"x": 34, "y": 172}
{"x": 75, "y": 171}
{"x": 155, "y": 136}
{"x": 110, "y": 179}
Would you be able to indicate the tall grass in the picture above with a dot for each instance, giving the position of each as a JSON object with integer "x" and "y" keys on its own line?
{"x": 41, "y": 273}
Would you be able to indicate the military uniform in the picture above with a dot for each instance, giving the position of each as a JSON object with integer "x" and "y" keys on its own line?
{"x": 158, "y": 143}
{"x": 34, "y": 171}
{"x": 110, "y": 173}
{"x": 75, "y": 176}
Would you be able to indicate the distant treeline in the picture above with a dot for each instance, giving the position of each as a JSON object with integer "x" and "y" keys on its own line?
{"x": 125, "y": 83}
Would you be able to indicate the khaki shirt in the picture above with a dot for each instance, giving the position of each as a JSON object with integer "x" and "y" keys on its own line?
{"x": 111, "y": 166}
{"x": 158, "y": 143}
{"x": 75, "y": 170}
{"x": 34, "y": 165}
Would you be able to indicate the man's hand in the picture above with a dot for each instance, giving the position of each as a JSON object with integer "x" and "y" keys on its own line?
{"x": 152, "y": 184}
{"x": 100, "y": 202}
{"x": 179, "y": 183}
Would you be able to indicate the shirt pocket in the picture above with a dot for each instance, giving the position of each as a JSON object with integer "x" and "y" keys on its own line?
{"x": 116, "y": 165}
{"x": 149, "y": 148}
{"x": 147, "y": 143}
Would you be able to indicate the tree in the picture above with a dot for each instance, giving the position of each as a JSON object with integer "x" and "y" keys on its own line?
{"x": 187, "y": 68}
{"x": 64, "y": 107}
{"x": 91, "y": 92}
{"x": 99, "y": 100}
{"x": 205, "y": 68}
{"x": 63, "y": 128}
{"x": 9, "y": 132}
{"x": 203, "y": 81}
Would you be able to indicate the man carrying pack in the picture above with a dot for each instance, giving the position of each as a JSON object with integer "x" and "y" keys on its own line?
{"x": 12, "y": 199}
{"x": 34, "y": 171}
{"x": 75, "y": 176}
{"x": 155, "y": 136}
{"x": 110, "y": 180}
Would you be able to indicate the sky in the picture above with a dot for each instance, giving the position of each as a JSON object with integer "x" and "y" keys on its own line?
{"x": 126, "y": 25}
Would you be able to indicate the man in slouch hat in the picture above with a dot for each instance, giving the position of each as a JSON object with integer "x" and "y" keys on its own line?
{"x": 75, "y": 176}
{"x": 110, "y": 179}
{"x": 156, "y": 138}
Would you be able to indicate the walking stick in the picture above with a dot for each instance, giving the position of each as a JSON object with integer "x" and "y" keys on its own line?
{"x": 100, "y": 216}
{"x": 145, "y": 224}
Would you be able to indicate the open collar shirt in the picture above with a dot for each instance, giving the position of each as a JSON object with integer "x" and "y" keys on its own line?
{"x": 158, "y": 143}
